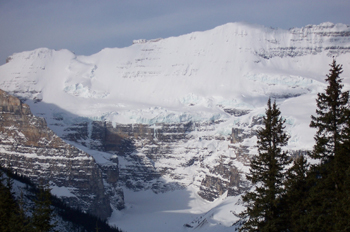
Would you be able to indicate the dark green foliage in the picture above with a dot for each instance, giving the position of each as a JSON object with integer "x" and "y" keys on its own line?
{"x": 267, "y": 173}
{"x": 331, "y": 116}
{"x": 7, "y": 203}
{"x": 42, "y": 212}
{"x": 321, "y": 199}
{"x": 315, "y": 197}
{"x": 297, "y": 190}
{"x": 343, "y": 206}
{"x": 80, "y": 222}
{"x": 12, "y": 215}
{"x": 22, "y": 222}
{"x": 328, "y": 193}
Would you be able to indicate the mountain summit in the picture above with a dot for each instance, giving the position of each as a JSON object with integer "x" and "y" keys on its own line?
{"x": 178, "y": 115}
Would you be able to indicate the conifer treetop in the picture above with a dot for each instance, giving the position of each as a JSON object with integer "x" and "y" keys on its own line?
{"x": 330, "y": 115}
{"x": 267, "y": 172}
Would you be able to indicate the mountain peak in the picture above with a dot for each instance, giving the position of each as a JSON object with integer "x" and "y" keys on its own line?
{"x": 180, "y": 113}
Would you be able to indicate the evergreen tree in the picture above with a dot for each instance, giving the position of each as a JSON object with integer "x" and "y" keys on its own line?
{"x": 332, "y": 111}
{"x": 20, "y": 219}
{"x": 297, "y": 190}
{"x": 343, "y": 222}
{"x": 342, "y": 164}
{"x": 7, "y": 203}
{"x": 325, "y": 211}
{"x": 267, "y": 171}
{"x": 13, "y": 212}
{"x": 42, "y": 212}
{"x": 12, "y": 217}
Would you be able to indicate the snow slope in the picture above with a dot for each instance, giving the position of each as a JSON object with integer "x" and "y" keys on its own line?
{"x": 194, "y": 77}
{"x": 180, "y": 210}
{"x": 224, "y": 66}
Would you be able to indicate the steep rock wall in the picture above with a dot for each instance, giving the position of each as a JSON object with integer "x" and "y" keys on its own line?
{"x": 163, "y": 157}
{"x": 31, "y": 149}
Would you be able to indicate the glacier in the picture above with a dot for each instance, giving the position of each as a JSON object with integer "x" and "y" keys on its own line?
{"x": 205, "y": 83}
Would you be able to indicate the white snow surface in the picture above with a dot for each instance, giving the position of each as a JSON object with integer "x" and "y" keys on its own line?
{"x": 61, "y": 191}
{"x": 172, "y": 211}
{"x": 176, "y": 79}
{"x": 193, "y": 77}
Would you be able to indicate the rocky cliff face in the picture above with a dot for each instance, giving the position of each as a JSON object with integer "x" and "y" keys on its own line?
{"x": 31, "y": 149}
{"x": 310, "y": 40}
{"x": 163, "y": 157}
{"x": 159, "y": 114}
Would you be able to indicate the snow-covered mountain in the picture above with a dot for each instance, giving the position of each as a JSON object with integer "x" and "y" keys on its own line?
{"x": 180, "y": 113}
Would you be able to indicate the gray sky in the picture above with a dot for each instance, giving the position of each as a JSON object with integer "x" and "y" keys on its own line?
{"x": 86, "y": 26}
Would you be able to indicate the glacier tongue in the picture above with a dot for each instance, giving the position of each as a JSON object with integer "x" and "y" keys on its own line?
{"x": 179, "y": 114}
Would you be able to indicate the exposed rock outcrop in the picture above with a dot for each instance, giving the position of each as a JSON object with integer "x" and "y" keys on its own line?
{"x": 222, "y": 178}
{"x": 31, "y": 149}
{"x": 151, "y": 153}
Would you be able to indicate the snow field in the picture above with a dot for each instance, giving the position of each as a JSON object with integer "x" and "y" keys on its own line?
{"x": 193, "y": 77}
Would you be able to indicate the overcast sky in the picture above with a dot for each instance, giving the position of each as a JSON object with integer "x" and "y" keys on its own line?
{"x": 86, "y": 26}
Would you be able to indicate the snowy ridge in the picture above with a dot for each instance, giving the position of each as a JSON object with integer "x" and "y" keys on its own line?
{"x": 173, "y": 103}
{"x": 191, "y": 70}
